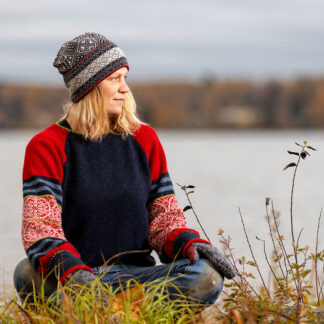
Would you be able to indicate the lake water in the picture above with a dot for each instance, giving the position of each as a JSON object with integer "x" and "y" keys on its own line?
{"x": 230, "y": 169}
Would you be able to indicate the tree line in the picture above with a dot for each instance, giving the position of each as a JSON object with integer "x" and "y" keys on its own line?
{"x": 206, "y": 104}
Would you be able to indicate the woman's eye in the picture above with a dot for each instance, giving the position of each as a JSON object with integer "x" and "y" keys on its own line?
{"x": 114, "y": 79}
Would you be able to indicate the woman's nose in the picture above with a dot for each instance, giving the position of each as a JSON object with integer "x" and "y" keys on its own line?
{"x": 123, "y": 87}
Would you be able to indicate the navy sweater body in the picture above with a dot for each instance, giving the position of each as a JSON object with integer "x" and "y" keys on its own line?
{"x": 106, "y": 187}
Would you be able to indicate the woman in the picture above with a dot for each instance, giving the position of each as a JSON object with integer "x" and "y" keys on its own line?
{"x": 97, "y": 190}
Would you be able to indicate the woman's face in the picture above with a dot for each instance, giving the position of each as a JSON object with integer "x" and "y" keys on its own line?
{"x": 114, "y": 89}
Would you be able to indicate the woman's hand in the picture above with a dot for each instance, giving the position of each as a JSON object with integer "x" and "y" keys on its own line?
{"x": 221, "y": 264}
{"x": 83, "y": 282}
{"x": 81, "y": 277}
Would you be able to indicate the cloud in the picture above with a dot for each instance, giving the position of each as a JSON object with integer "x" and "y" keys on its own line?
{"x": 228, "y": 36}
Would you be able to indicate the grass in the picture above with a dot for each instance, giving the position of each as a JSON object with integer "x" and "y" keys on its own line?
{"x": 97, "y": 303}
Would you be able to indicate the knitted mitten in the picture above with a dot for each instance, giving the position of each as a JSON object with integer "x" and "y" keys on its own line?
{"x": 211, "y": 253}
{"x": 81, "y": 277}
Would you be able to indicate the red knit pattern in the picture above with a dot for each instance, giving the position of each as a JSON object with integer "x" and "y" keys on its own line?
{"x": 41, "y": 219}
{"x": 165, "y": 216}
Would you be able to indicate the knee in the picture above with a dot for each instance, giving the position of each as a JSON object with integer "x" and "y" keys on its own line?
{"x": 24, "y": 269}
{"x": 27, "y": 279}
{"x": 25, "y": 276}
{"x": 209, "y": 283}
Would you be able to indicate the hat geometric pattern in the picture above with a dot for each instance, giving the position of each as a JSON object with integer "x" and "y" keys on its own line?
{"x": 86, "y": 60}
{"x": 94, "y": 67}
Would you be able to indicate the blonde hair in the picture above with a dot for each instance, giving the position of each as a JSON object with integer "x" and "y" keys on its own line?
{"x": 89, "y": 117}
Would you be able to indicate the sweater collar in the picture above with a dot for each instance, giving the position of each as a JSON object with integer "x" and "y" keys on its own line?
{"x": 64, "y": 123}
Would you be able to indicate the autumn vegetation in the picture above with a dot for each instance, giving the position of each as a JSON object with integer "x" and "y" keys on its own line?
{"x": 209, "y": 103}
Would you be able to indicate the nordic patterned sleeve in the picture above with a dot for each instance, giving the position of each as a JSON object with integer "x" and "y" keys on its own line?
{"x": 169, "y": 235}
{"x": 42, "y": 234}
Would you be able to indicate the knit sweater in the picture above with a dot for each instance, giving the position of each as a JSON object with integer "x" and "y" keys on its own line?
{"x": 88, "y": 203}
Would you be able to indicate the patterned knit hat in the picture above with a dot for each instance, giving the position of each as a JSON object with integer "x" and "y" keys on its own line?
{"x": 86, "y": 60}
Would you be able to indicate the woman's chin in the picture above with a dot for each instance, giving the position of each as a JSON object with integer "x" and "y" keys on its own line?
{"x": 114, "y": 115}
{"x": 115, "y": 112}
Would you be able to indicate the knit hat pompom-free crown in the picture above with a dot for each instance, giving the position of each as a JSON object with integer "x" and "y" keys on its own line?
{"x": 86, "y": 60}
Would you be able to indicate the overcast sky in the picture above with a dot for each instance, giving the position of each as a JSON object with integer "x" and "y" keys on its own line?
{"x": 169, "y": 39}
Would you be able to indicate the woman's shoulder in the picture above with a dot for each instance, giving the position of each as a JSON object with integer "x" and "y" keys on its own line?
{"x": 145, "y": 131}
{"x": 148, "y": 139}
{"x": 52, "y": 136}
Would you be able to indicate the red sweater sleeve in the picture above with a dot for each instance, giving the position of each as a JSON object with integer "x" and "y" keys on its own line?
{"x": 42, "y": 233}
{"x": 168, "y": 232}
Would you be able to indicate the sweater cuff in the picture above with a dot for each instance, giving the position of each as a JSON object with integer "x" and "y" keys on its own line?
{"x": 73, "y": 269}
{"x": 64, "y": 263}
{"x": 177, "y": 240}
{"x": 184, "y": 251}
